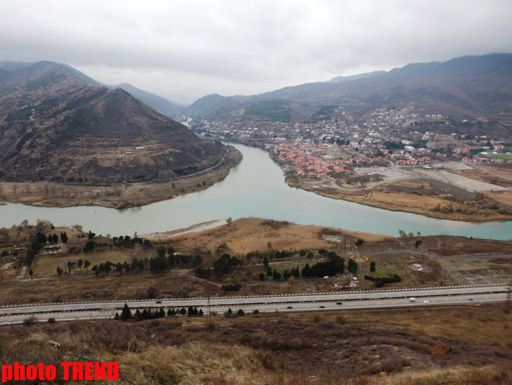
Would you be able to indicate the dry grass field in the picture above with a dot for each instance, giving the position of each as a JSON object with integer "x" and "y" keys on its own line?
{"x": 445, "y": 260}
{"x": 46, "y": 265}
{"x": 464, "y": 193}
{"x": 396, "y": 347}
{"x": 254, "y": 234}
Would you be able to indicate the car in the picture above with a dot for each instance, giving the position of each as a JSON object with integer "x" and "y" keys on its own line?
{"x": 426, "y": 301}
{"x": 6, "y": 323}
{"x": 158, "y": 301}
{"x": 322, "y": 307}
{"x": 339, "y": 303}
{"x": 471, "y": 299}
{"x": 290, "y": 307}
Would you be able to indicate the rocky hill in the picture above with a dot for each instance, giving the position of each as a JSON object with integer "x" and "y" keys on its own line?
{"x": 466, "y": 87}
{"x": 58, "y": 124}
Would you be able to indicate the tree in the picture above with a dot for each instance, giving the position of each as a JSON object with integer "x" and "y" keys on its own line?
{"x": 417, "y": 244}
{"x": 359, "y": 242}
{"x": 87, "y": 264}
{"x": 146, "y": 244}
{"x": 71, "y": 265}
{"x": 372, "y": 267}
{"x": 306, "y": 271}
{"x": 160, "y": 250}
{"x": 89, "y": 246}
{"x": 352, "y": 266}
{"x": 126, "y": 314}
{"x": 80, "y": 263}
{"x": 55, "y": 238}
{"x": 261, "y": 276}
{"x": 276, "y": 275}
{"x": 59, "y": 271}
{"x": 229, "y": 221}
{"x": 30, "y": 272}
{"x": 152, "y": 292}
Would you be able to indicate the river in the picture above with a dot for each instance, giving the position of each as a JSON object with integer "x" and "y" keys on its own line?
{"x": 254, "y": 188}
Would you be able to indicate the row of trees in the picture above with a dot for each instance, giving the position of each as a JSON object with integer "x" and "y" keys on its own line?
{"x": 334, "y": 265}
{"x": 380, "y": 282}
{"x": 36, "y": 245}
{"x": 126, "y": 313}
{"x": 128, "y": 242}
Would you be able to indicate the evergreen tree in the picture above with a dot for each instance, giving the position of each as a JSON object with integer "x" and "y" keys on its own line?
{"x": 126, "y": 314}
{"x": 306, "y": 271}
{"x": 265, "y": 262}
{"x": 352, "y": 266}
{"x": 372, "y": 267}
{"x": 64, "y": 237}
{"x": 160, "y": 250}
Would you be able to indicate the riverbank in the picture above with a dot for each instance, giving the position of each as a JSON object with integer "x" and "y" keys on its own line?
{"x": 51, "y": 194}
{"x": 422, "y": 195}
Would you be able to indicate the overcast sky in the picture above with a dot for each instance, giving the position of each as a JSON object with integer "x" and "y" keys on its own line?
{"x": 186, "y": 49}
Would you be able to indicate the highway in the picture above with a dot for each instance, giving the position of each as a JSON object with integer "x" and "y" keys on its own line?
{"x": 378, "y": 299}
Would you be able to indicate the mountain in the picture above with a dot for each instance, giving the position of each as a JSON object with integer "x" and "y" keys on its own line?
{"x": 58, "y": 124}
{"x": 158, "y": 103}
{"x": 465, "y": 87}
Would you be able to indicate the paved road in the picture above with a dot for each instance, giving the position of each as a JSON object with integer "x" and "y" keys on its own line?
{"x": 301, "y": 302}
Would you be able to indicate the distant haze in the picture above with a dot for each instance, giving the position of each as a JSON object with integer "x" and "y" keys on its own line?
{"x": 183, "y": 50}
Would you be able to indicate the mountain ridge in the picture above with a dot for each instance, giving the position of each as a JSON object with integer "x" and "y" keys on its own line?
{"x": 464, "y": 87}
{"x": 58, "y": 125}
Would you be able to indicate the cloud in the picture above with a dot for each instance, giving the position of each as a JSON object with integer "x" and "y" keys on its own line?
{"x": 198, "y": 47}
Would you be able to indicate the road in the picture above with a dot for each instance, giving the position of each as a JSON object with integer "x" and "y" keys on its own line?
{"x": 438, "y": 296}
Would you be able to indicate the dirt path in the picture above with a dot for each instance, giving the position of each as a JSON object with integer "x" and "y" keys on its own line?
{"x": 192, "y": 229}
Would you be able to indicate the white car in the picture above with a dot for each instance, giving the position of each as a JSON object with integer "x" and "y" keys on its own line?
{"x": 426, "y": 301}
{"x": 6, "y": 323}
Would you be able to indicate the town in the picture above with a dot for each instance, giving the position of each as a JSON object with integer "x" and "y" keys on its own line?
{"x": 344, "y": 147}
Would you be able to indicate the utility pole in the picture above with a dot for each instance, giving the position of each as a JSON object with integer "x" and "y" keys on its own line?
{"x": 508, "y": 304}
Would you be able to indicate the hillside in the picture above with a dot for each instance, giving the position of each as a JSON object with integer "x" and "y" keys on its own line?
{"x": 156, "y": 102}
{"x": 57, "y": 124}
{"x": 466, "y": 87}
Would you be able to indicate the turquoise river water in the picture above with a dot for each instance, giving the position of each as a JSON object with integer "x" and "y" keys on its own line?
{"x": 254, "y": 188}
